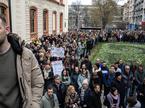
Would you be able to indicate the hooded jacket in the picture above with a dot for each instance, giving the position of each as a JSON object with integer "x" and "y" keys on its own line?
{"x": 29, "y": 74}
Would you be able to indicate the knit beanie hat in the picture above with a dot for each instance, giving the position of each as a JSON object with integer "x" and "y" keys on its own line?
{"x": 117, "y": 74}
{"x": 85, "y": 82}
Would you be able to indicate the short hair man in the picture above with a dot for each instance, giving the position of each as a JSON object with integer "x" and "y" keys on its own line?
{"x": 21, "y": 81}
{"x": 49, "y": 100}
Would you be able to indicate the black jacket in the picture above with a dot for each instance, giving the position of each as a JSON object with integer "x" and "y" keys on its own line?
{"x": 60, "y": 92}
{"x": 95, "y": 100}
{"x": 120, "y": 85}
{"x": 141, "y": 89}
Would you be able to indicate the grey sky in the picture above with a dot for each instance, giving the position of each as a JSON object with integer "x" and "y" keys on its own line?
{"x": 88, "y": 2}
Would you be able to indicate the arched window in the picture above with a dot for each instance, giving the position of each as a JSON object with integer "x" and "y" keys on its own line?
{"x": 45, "y": 22}
{"x": 33, "y": 22}
{"x": 61, "y": 22}
{"x": 54, "y": 20}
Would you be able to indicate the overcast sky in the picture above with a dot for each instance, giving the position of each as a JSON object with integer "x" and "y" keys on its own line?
{"x": 88, "y": 2}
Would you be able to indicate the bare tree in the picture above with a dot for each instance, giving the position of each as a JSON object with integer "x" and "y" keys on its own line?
{"x": 104, "y": 12}
{"x": 76, "y": 10}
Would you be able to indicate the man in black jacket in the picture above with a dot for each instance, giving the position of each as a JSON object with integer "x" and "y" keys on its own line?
{"x": 87, "y": 63}
{"x": 95, "y": 98}
{"x": 120, "y": 85}
{"x": 141, "y": 94}
{"x": 60, "y": 90}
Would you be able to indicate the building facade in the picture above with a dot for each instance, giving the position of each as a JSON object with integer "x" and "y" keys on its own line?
{"x": 134, "y": 14}
{"x": 34, "y": 18}
{"x": 131, "y": 11}
{"x": 126, "y": 12}
{"x": 139, "y": 10}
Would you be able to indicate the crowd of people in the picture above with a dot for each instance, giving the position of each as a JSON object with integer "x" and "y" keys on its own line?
{"x": 122, "y": 36}
{"x": 82, "y": 84}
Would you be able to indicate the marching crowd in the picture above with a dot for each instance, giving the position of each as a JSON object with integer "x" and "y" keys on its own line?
{"x": 86, "y": 85}
{"x": 122, "y": 36}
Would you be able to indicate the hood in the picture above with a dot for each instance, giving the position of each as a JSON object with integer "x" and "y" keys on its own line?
{"x": 16, "y": 43}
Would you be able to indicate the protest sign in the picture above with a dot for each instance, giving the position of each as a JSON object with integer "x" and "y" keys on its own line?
{"x": 57, "y": 67}
{"x": 57, "y": 52}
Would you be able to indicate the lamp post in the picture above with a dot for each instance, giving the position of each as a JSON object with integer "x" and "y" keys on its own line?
{"x": 10, "y": 15}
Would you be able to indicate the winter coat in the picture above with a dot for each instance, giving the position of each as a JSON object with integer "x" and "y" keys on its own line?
{"x": 141, "y": 90}
{"x": 74, "y": 79}
{"x": 139, "y": 76}
{"x": 48, "y": 102}
{"x": 30, "y": 78}
{"x": 66, "y": 80}
{"x": 48, "y": 74}
{"x": 81, "y": 78}
{"x": 95, "y": 100}
{"x": 72, "y": 101}
{"x": 86, "y": 102}
{"x": 120, "y": 85}
{"x": 114, "y": 101}
{"x": 60, "y": 92}
{"x": 105, "y": 73}
{"x": 128, "y": 80}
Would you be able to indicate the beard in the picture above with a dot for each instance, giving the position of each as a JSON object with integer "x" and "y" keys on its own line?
{"x": 2, "y": 38}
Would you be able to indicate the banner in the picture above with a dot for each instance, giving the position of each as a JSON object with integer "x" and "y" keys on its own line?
{"x": 57, "y": 52}
{"x": 57, "y": 67}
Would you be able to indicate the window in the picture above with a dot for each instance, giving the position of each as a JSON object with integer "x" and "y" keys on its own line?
{"x": 45, "y": 22}
{"x": 54, "y": 20}
{"x": 61, "y": 22}
{"x": 33, "y": 22}
{"x": 2, "y": 10}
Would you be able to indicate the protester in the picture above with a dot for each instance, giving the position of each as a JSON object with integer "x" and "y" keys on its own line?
{"x": 65, "y": 78}
{"x": 21, "y": 79}
{"x": 109, "y": 79}
{"x": 60, "y": 90}
{"x": 88, "y": 64}
{"x": 48, "y": 75}
{"x": 95, "y": 98}
{"x": 133, "y": 103}
{"x": 85, "y": 93}
{"x": 74, "y": 78}
{"x": 140, "y": 75}
{"x": 128, "y": 80}
{"x": 96, "y": 78}
{"x": 141, "y": 94}
{"x": 72, "y": 99}
{"x": 114, "y": 98}
{"x": 119, "y": 84}
{"x": 117, "y": 69}
{"x": 82, "y": 76}
{"x": 49, "y": 100}
{"x": 76, "y": 47}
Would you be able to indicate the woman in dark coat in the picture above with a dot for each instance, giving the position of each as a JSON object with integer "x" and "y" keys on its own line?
{"x": 95, "y": 99}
